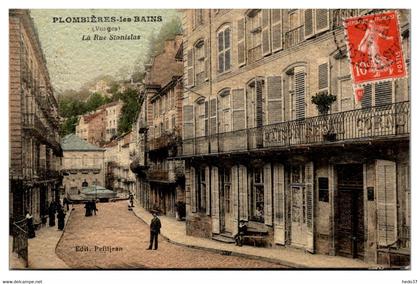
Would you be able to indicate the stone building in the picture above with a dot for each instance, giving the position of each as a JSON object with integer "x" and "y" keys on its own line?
{"x": 160, "y": 178}
{"x": 83, "y": 165}
{"x": 256, "y": 148}
{"x": 117, "y": 162}
{"x": 35, "y": 151}
{"x": 91, "y": 127}
{"x": 112, "y": 115}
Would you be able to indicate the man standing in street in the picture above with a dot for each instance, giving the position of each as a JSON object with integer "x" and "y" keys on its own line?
{"x": 154, "y": 231}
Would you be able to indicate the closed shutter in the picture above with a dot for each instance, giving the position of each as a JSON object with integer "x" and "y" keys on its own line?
{"x": 383, "y": 93}
{"x": 322, "y": 20}
{"x": 268, "y": 213}
{"x": 367, "y": 96}
{"x": 243, "y": 193}
{"x": 274, "y": 100}
{"x": 276, "y": 29}
{"x": 190, "y": 68}
{"x": 386, "y": 202}
{"x": 324, "y": 76}
{"x": 206, "y": 60}
{"x": 300, "y": 89}
{"x": 266, "y": 45}
{"x": 309, "y": 23}
{"x": 215, "y": 200}
{"x": 193, "y": 190}
{"x": 208, "y": 190}
{"x": 213, "y": 118}
{"x": 238, "y": 109}
{"x": 206, "y": 118}
{"x": 227, "y": 49}
{"x": 241, "y": 42}
{"x": 234, "y": 198}
{"x": 279, "y": 204}
{"x": 220, "y": 57}
{"x": 259, "y": 101}
{"x": 188, "y": 113}
{"x": 309, "y": 190}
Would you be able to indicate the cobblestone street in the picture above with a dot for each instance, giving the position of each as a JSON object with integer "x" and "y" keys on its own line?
{"x": 114, "y": 226}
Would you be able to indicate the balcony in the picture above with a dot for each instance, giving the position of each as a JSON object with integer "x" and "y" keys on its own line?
{"x": 174, "y": 171}
{"x": 294, "y": 37}
{"x": 166, "y": 140}
{"x": 366, "y": 124}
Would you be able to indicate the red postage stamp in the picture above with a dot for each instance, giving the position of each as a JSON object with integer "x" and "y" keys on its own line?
{"x": 374, "y": 47}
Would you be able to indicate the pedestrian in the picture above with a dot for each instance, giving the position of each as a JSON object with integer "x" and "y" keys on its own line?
{"x": 66, "y": 203}
{"x": 242, "y": 229}
{"x": 60, "y": 217}
{"x": 30, "y": 225}
{"x": 154, "y": 230}
{"x": 94, "y": 209}
{"x": 51, "y": 214}
{"x": 131, "y": 199}
{"x": 88, "y": 209}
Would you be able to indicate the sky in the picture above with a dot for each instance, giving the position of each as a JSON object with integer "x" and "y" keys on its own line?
{"x": 72, "y": 61}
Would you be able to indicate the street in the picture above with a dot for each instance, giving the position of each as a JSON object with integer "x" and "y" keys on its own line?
{"x": 116, "y": 239}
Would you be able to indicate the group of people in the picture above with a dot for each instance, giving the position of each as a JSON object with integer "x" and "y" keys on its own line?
{"x": 90, "y": 207}
{"x": 56, "y": 208}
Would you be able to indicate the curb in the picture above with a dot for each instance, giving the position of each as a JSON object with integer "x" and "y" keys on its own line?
{"x": 62, "y": 234}
{"x": 232, "y": 253}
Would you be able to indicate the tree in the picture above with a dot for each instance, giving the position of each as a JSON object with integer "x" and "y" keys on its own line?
{"x": 68, "y": 126}
{"x": 95, "y": 101}
{"x": 128, "y": 111}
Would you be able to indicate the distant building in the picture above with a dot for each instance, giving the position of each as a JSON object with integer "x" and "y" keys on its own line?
{"x": 35, "y": 151}
{"x": 101, "y": 87}
{"x": 83, "y": 164}
{"x": 91, "y": 127}
{"x": 160, "y": 178}
{"x": 112, "y": 116}
{"x": 117, "y": 161}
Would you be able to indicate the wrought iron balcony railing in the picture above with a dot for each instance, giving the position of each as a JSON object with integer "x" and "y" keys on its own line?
{"x": 294, "y": 37}
{"x": 392, "y": 120}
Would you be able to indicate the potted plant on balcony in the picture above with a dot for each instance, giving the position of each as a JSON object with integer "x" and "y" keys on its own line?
{"x": 323, "y": 101}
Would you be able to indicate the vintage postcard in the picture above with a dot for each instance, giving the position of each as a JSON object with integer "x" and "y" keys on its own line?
{"x": 209, "y": 139}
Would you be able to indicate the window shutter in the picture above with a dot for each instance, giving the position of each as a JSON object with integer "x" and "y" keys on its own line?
{"x": 193, "y": 191}
{"x": 386, "y": 191}
{"x": 190, "y": 68}
{"x": 188, "y": 113}
{"x": 383, "y": 93}
{"x": 300, "y": 88}
{"x": 227, "y": 49}
{"x": 259, "y": 101}
{"x": 243, "y": 193}
{"x": 221, "y": 57}
{"x": 241, "y": 42}
{"x": 208, "y": 190}
{"x": 206, "y": 118}
{"x": 367, "y": 96}
{"x": 213, "y": 118}
{"x": 279, "y": 204}
{"x": 322, "y": 20}
{"x": 215, "y": 200}
{"x": 266, "y": 45}
{"x": 309, "y": 190}
{"x": 206, "y": 60}
{"x": 238, "y": 109}
{"x": 234, "y": 198}
{"x": 324, "y": 76}
{"x": 268, "y": 214}
{"x": 276, "y": 29}
{"x": 274, "y": 100}
{"x": 309, "y": 23}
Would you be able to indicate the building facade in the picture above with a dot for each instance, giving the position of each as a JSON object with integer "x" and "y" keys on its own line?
{"x": 161, "y": 179}
{"x": 91, "y": 127}
{"x": 112, "y": 116}
{"x": 83, "y": 165}
{"x": 256, "y": 148}
{"x": 117, "y": 162}
{"x": 35, "y": 151}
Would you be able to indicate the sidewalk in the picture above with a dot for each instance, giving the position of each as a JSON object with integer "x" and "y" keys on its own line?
{"x": 41, "y": 249}
{"x": 175, "y": 232}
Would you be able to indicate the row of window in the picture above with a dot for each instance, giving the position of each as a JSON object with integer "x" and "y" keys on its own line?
{"x": 259, "y": 33}
{"x": 164, "y": 103}
{"x": 270, "y": 100}
{"x": 159, "y": 129}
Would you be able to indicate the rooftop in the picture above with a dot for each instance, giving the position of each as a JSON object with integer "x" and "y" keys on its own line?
{"x": 72, "y": 142}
